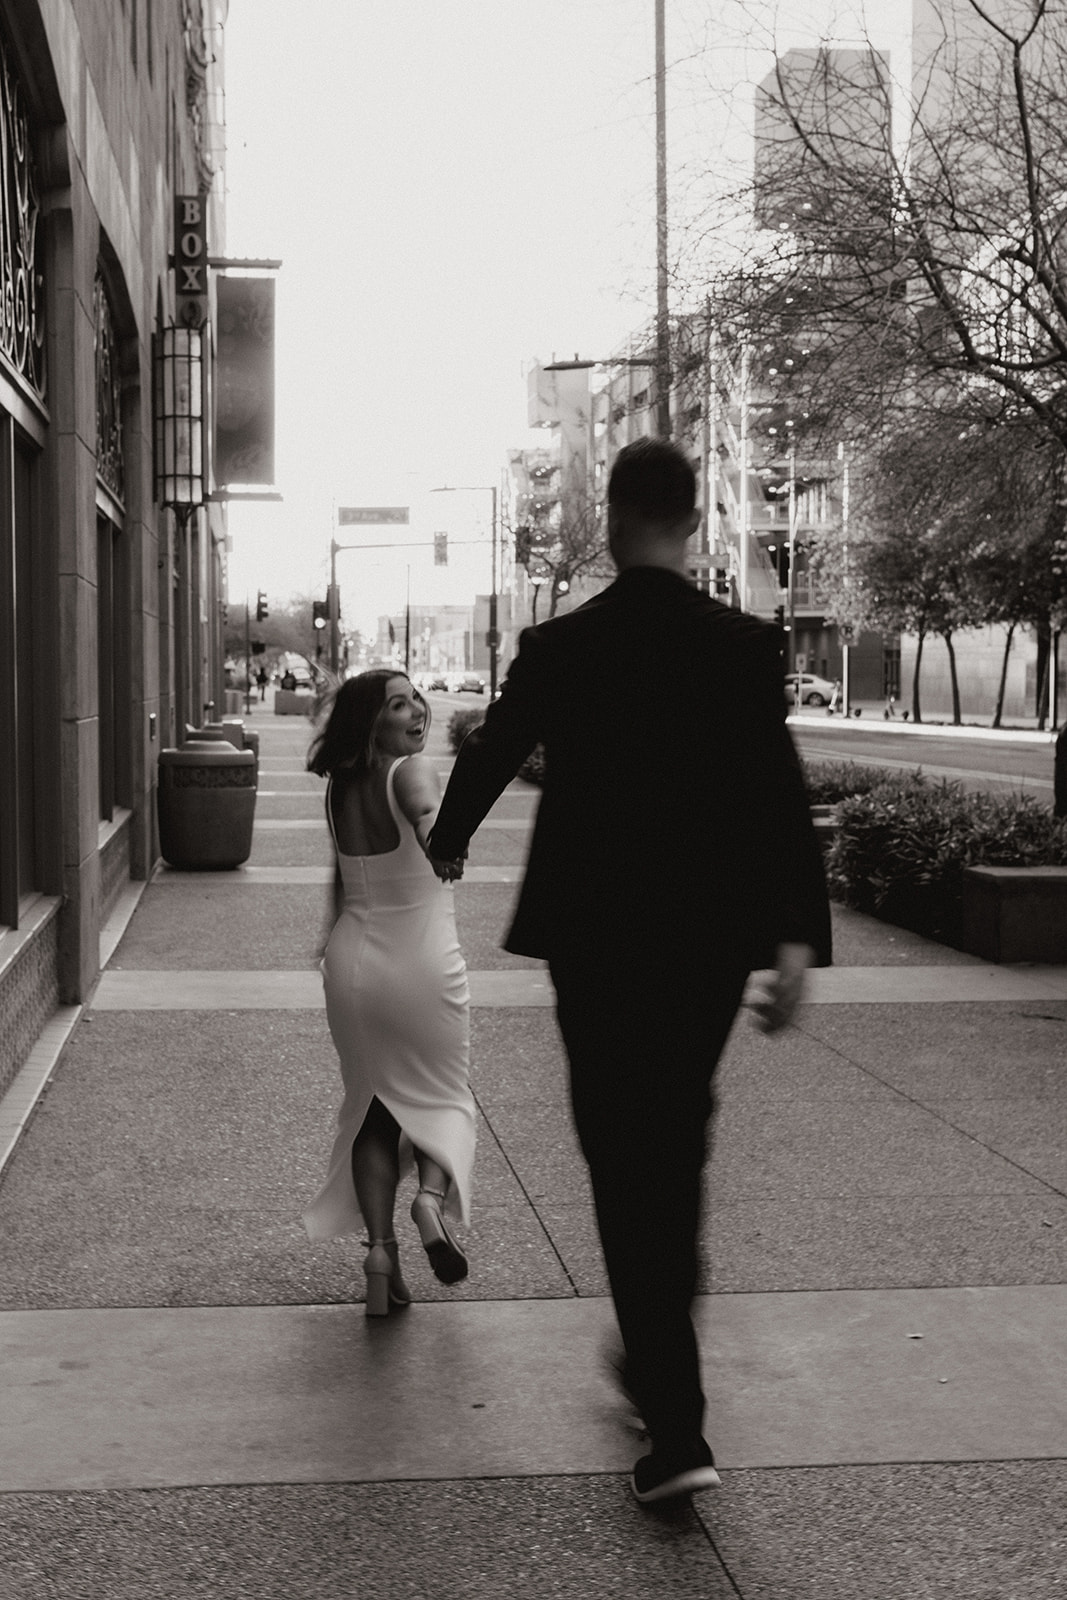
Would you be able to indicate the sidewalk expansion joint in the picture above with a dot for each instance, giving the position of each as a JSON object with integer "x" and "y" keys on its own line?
{"x": 526, "y": 1195}
{"x": 930, "y": 1110}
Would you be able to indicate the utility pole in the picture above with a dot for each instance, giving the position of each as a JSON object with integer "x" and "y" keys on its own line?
{"x": 663, "y": 332}
{"x": 248, "y": 659}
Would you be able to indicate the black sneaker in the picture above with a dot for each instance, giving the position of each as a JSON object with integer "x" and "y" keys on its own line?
{"x": 662, "y": 1477}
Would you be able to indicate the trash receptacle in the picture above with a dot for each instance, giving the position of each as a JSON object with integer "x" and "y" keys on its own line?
{"x": 206, "y": 803}
{"x": 241, "y": 737}
{"x": 231, "y": 731}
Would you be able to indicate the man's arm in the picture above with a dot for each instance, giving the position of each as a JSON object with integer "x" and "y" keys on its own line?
{"x": 778, "y": 799}
{"x": 492, "y": 753}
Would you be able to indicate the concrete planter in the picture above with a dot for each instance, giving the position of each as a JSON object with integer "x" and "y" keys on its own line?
{"x": 293, "y": 703}
{"x": 825, "y": 822}
{"x": 206, "y": 804}
{"x": 1015, "y": 913}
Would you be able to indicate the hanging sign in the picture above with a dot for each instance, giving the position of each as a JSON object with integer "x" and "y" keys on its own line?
{"x": 244, "y": 381}
{"x": 190, "y": 258}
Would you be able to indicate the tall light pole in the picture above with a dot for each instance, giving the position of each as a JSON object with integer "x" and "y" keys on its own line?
{"x": 493, "y": 637}
{"x": 663, "y": 334}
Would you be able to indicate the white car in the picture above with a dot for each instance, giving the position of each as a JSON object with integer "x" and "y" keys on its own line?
{"x": 814, "y": 691}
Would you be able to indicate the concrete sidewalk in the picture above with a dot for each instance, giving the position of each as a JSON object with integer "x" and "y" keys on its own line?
{"x": 193, "y": 1402}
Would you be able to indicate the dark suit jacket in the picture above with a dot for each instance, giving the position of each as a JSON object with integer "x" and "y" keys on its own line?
{"x": 673, "y": 814}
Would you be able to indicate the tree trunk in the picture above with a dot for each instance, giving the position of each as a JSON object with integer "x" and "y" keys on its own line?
{"x": 1002, "y": 686}
{"x": 954, "y": 678}
{"x": 916, "y": 711}
{"x": 1044, "y": 641}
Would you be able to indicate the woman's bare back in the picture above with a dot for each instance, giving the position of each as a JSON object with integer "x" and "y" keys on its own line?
{"x": 363, "y": 823}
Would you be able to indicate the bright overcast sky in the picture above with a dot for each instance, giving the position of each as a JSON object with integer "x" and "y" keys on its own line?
{"x": 455, "y": 188}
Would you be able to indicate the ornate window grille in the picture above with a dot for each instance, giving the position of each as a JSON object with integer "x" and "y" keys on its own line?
{"x": 21, "y": 296}
{"x": 109, "y": 461}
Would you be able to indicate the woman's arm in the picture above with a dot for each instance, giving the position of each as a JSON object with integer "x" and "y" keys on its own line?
{"x": 418, "y": 794}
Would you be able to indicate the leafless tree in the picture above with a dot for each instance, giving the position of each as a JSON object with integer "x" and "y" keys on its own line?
{"x": 563, "y": 542}
{"x": 923, "y": 264}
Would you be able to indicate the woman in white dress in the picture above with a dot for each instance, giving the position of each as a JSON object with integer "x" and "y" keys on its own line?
{"x": 397, "y": 999}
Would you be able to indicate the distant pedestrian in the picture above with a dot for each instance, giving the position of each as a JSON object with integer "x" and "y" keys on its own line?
{"x": 673, "y": 853}
{"x": 396, "y": 990}
{"x": 262, "y": 679}
{"x": 288, "y": 679}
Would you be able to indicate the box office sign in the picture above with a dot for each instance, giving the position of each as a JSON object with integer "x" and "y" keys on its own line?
{"x": 244, "y": 381}
{"x": 190, "y": 258}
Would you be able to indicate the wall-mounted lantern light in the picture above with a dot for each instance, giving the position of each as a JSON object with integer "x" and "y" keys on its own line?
{"x": 179, "y": 417}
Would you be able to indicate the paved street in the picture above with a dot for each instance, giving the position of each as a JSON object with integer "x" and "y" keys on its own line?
{"x": 999, "y": 762}
{"x": 194, "y": 1404}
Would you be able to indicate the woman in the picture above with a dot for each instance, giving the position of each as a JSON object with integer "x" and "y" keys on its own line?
{"x": 396, "y": 989}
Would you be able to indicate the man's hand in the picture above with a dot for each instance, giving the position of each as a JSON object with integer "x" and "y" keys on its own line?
{"x": 775, "y": 1001}
{"x": 447, "y": 871}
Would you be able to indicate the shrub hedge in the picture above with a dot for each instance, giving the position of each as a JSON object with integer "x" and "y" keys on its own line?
{"x": 460, "y": 724}
{"x": 830, "y": 781}
{"x": 901, "y": 847}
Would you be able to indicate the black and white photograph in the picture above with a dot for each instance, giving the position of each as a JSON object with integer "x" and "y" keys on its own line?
{"x": 533, "y": 800}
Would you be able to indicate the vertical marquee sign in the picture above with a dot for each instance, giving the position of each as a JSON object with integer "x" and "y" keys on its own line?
{"x": 190, "y": 258}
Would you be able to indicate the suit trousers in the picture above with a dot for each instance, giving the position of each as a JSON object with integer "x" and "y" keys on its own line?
{"x": 643, "y": 1039}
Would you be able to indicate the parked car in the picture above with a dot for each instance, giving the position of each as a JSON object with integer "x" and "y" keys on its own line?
{"x": 435, "y": 680}
{"x": 470, "y": 683}
{"x": 814, "y": 691}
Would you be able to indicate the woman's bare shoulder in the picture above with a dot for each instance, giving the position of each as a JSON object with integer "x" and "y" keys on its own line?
{"x": 415, "y": 775}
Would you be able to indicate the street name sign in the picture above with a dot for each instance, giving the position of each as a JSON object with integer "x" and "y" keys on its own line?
{"x": 374, "y": 516}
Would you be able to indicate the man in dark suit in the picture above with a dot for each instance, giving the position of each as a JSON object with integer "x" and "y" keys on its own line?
{"x": 673, "y": 853}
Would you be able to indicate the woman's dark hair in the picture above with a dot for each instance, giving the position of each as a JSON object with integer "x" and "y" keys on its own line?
{"x": 347, "y": 740}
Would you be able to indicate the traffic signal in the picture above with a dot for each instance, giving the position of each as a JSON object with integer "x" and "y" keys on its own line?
{"x": 440, "y": 549}
{"x": 261, "y": 605}
{"x": 320, "y": 614}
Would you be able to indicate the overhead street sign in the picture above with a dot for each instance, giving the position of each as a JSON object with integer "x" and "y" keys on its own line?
{"x": 350, "y": 516}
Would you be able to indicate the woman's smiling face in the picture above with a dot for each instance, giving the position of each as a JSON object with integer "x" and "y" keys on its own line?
{"x": 403, "y": 721}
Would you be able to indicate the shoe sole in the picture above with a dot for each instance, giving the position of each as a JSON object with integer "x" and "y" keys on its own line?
{"x": 449, "y": 1266}
{"x": 691, "y": 1482}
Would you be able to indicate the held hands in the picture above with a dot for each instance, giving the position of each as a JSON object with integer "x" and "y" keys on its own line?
{"x": 781, "y": 990}
{"x": 447, "y": 871}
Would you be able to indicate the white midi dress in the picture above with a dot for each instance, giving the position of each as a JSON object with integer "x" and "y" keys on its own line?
{"x": 398, "y": 1006}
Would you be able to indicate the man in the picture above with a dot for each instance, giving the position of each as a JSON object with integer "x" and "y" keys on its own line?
{"x": 673, "y": 853}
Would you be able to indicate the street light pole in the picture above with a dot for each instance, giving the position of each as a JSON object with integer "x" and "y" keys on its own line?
{"x": 663, "y": 335}
{"x": 333, "y": 608}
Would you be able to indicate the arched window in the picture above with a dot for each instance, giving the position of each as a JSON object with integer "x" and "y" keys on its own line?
{"x": 22, "y": 433}
{"x": 112, "y": 564}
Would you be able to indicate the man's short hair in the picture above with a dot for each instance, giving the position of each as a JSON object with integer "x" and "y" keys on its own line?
{"x": 653, "y": 479}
